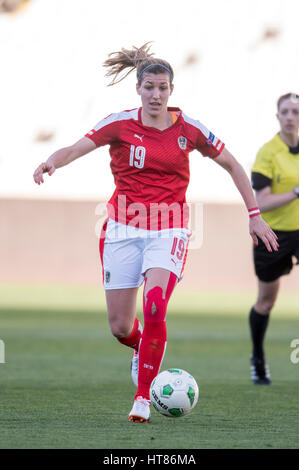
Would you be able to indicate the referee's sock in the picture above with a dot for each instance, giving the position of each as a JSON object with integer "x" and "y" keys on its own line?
{"x": 258, "y": 326}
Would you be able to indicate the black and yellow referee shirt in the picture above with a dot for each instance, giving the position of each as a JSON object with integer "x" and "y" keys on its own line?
{"x": 277, "y": 166}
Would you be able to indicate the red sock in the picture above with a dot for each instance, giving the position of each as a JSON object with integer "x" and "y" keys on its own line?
{"x": 151, "y": 352}
{"x": 134, "y": 337}
{"x": 154, "y": 337}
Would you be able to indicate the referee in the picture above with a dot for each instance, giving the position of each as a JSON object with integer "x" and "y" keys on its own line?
{"x": 275, "y": 178}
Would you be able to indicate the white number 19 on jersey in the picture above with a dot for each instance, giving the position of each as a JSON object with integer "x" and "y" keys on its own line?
{"x": 137, "y": 156}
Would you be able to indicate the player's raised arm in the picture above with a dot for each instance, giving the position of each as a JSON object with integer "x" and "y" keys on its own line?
{"x": 257, "y": 226}
{"x": 63, "y": 157}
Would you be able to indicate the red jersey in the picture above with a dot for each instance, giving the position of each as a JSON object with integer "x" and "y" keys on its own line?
{"x": 151, "y": 167}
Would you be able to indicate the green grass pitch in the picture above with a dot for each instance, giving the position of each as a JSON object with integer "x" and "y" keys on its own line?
{"x": 66, "y": 382}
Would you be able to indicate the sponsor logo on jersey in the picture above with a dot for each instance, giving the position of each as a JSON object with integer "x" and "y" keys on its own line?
{"x": 107, "y": 276}
{"x": 211, "y": 138}
{"x": 182, "y": 142}
{"x": 139, "y": 136}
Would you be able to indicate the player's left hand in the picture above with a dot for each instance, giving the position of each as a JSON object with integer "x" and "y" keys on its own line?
{"x": 259, "y": 228}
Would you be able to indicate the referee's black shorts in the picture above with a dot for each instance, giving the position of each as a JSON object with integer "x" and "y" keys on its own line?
{"x": 270, "y": 266}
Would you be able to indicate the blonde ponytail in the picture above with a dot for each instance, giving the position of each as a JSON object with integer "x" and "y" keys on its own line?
{"x": 135, "y": 59}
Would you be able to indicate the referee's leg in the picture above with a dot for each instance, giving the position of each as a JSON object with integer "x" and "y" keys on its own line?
{"x": 258, "y": 322}
{"x": 267, "y": 295}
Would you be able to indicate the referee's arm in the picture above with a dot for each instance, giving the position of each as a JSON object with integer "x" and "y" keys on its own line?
{"x": 267, "y": 201}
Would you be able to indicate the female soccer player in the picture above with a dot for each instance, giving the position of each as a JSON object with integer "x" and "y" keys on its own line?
{"x": 149, "y": 149}
{"x": 275, "y": 177}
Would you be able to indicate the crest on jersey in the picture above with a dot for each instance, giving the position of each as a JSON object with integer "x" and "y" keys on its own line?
{"x": 182, "y": 142}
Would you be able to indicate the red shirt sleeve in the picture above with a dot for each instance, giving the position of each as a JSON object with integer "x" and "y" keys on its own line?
{"x": 202, "y": 138}
{"x": 209, "y": 145}
{"x": 106, "y": 131}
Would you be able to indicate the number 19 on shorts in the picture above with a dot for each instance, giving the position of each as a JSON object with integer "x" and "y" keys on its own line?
{"x": 178, "y": 248}
{"x": 137, "y": 156}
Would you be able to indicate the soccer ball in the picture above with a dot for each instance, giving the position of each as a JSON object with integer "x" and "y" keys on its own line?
{"x": 174, "y": 393}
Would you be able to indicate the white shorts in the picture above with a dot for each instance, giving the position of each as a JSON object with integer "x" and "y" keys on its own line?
{"x": 128, "y": 252}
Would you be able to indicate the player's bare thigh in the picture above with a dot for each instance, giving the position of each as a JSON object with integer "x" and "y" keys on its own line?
{"x": 156, "y": 277}
{"x": 121, "y": 307}
{"x": 121, "y": 303}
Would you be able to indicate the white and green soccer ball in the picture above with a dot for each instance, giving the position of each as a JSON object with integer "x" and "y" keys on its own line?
{"x": 174, "y": 393}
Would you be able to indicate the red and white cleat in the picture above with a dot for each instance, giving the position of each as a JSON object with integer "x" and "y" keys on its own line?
{"x": 140, "y": 413}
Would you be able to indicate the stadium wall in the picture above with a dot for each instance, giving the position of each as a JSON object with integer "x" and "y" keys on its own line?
{"x": 55, "y": 241}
